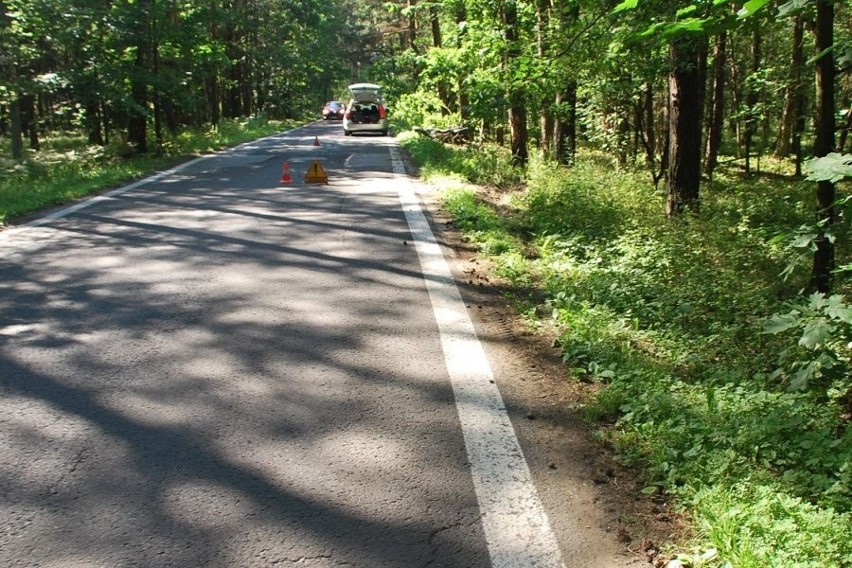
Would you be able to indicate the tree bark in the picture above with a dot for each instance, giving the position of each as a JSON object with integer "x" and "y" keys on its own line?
{"x": 411, "y": 36}
{"x": 716, "y": 124}
{"x": 93, "y": 123}
{"x": 546, "y": 121}
{"x": 823, "y": 260}
{"x": 16, "y": 129}
{"x": 565, "y": 125}
{"x": 137, "y": 125}
{"x": 460, "y": 12}
{"x": 751, "y": 101}
{"x": 516, "y": 96}
{"x": 29, "y": 122}
{"x": 685, "y": 114}
{"x": 844, "y": 131}
{"x": 792, "y": 91}
{"x": 438, "y": 42}
{"x": 648, "y": 132}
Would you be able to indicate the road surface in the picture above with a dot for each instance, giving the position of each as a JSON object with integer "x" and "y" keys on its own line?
{"x": 212, "y": 368}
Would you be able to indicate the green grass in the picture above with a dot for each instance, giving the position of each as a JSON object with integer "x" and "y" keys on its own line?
{"x": 66, "y": 168}
{"x": 672, "y": 318}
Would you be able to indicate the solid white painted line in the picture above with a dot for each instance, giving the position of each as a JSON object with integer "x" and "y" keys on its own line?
{"x": 516, "y": 528}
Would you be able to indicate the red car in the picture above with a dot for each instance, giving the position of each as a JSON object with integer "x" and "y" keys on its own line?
{"x": 333, "y": 110}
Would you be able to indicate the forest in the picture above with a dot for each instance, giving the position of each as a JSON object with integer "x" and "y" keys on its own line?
{"x": 664, "y": 186}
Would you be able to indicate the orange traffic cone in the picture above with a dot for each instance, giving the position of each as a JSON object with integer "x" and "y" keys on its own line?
{"x": 285, "y": 174}
{"x": 316, "y": 141}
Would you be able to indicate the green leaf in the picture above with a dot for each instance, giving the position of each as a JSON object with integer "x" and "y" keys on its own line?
{"x": 751, "y": 7}
{"x": 802, "y": 377}
{"x": 792, "y": 7}
{"x": 832, "y": 167}
{"x": 626, "y": 5}
{"x": 780, "y": 323}
{"x": 816, "y": 333}
{"x": 836, "y": 308}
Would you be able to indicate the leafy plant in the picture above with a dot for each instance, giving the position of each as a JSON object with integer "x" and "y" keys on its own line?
{"x": 824, "y": 327}
{"x": 681, "y": 322}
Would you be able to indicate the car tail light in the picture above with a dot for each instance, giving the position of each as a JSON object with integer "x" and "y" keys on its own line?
{"x": 382, "y": 111}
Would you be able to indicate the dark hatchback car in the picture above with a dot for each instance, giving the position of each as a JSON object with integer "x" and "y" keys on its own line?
{"x": 333, "y": 110}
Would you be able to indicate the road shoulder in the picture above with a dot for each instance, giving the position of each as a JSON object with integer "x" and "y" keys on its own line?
{"x": 596, "y": 506}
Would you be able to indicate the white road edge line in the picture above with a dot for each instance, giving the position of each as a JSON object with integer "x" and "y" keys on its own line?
{"x": 516, "y": 528}
{"x": 64, "y": 212}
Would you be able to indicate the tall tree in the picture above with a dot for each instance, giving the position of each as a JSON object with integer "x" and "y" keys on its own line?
{"x": 686, "y": 90}
{"x": 459, "y": 11}
{"x": 716, "y": 123}
{"x": 752, "y": 97}
{"x": 137, "y": 122}
{"x": 823, "y": 260}
{"x": 516, "y": 89}
{"x": 543, "y": 14}
{"x": 792, "y": 90}
{"x": 565, "y": 119}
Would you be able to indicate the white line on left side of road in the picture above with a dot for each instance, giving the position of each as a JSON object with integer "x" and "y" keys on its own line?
{"x": 8, "y": 234}
{"x": 516, "y": 528}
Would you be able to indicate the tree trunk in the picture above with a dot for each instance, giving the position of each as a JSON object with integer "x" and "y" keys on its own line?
{"x": 823, "y": 261}
{"x": 844, "y": 131}
{"x": 411, "y": 34}
{"x": 93, "y": 122}
{"x": 137, "y": 125}
{"x": 736, "y": 87}
{"x": 17, "y": 131}
{"x": 516, "y": 96}
{"x": 106, "y": 118}
{"x": 565, "y": 125}
{"x": 565, "y": 121}
{"x": 792, "y": 91}
{"x": 518, "y": 125}
{"x": 546, "y": 120}
{"x": 685, "y": 114}
{"x": 751, "y": 101}
{"x": 716, "y": 123}
{"x": 438, "y": 42}
{"x": 213, "y": 99}
{"x": 29, "y": 122}
{"x": 460, "y": 12}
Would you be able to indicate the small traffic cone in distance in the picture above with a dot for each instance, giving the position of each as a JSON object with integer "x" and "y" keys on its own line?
{"x": 285, "y": 174}
{"x": 316, "y": 141}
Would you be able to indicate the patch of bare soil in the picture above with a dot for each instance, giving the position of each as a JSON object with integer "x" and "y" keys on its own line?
{"x": 596, "y": 505}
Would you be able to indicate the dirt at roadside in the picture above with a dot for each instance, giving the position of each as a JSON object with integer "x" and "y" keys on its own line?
{"x": 598, "y": 505}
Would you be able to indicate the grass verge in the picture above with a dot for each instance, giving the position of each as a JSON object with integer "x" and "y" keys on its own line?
{"x": 722, "y": 383}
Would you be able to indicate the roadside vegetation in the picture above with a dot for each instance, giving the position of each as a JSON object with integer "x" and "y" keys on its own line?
{"x": 724, "y": 384}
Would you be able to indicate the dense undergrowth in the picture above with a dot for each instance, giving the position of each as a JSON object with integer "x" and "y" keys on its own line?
{"x": 722, "y": 381}
{"x": 66, "y": 168}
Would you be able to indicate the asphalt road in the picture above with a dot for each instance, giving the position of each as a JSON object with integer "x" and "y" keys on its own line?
{"x": 211, "y": 368}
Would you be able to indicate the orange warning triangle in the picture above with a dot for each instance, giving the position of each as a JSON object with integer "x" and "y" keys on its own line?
{"x": 316, "y": 174}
